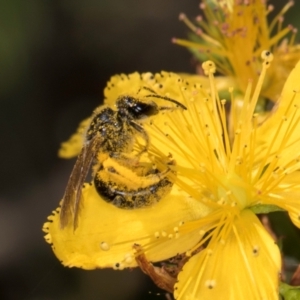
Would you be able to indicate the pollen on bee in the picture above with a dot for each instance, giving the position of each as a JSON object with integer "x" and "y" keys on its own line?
{"x": 211, "y": 283}
{"x": 104, "y": 246}
{"x": 156, "y": 234}
{"x": 176, "y": 229}
{"x": 170, "y": 236}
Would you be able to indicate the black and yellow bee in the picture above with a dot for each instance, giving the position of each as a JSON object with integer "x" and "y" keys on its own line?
{"x": 119, "y": 176}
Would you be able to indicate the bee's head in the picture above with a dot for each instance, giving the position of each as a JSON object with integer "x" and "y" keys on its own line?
{"x": 136, "y": 108}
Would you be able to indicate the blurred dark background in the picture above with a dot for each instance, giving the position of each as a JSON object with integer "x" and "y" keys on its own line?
{"x": 55, "y": 59}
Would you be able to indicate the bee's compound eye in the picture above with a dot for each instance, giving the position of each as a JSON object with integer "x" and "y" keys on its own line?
{"x": 142, "y": 110}
{"x": 136, "y": 108}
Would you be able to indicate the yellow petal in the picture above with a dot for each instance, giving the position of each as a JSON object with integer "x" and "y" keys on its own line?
{"x": 73, "y": 145}
{"x": 244, "y": 266}
{"x": 280, "y": 134}
{"x": 126, "y": 84}
{"x": 288, "y": 195}
{"x": 223, "y": 83}
{"x": 106, "y": 234}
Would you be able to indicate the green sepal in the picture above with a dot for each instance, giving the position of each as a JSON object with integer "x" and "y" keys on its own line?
{"x": 289, "y": 292}
{"x": 265, "y": 209}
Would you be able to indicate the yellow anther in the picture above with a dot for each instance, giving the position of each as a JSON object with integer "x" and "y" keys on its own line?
{"x": 267, "y": 56}
{"x": 209, "y": 67}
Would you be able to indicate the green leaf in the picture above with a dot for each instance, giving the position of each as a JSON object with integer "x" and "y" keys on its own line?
{"x": 287, "y": 232}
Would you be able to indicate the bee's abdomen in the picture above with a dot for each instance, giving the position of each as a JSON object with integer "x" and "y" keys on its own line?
{"x": 120, "y": 195}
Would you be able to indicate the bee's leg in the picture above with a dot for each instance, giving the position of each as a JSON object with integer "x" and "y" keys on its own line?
{"x": 135, "y": 187}
{"x": 162, "y": 174}
{"x": 154, "y": 176}
{"x": 125, "y": 159}
{"x": 138, "y": 127}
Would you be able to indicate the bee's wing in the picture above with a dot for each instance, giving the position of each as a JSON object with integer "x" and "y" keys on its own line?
{"x": 72, "y": 197}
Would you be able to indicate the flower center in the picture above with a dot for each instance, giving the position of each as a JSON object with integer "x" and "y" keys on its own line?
{"x": 234, "y": 192}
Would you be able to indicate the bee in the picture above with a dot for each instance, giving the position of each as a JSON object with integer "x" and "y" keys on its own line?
{"x": 110, "y": 138}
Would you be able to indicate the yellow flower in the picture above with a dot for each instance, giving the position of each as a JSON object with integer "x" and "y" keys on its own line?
{"x": 234, "y": 34}
{"x": 220, "y": 180}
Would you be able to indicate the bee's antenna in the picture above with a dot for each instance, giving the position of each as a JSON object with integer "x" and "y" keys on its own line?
{"x": 149, "y": 90}
{"x": 167, "y": 99}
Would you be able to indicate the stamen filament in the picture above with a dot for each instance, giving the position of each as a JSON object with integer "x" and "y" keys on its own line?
{"x": 276, "y": 19}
